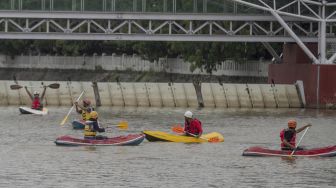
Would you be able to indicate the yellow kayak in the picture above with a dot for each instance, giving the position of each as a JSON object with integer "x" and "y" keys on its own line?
{"x": 154, "y": 136}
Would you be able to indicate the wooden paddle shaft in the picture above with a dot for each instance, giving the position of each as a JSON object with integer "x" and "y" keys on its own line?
{"x": 299, "y": 141}
{"x": 66, "y": 117}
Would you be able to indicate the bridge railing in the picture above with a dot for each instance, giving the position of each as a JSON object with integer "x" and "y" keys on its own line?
{"x": 132, "y": 63}
{"x": 170, "y": 6}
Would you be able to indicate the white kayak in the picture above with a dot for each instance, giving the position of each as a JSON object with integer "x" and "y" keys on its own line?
{"x": 27, "y": 110}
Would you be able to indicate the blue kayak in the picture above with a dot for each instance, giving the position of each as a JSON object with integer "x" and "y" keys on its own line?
{"x": 78, "y": 124}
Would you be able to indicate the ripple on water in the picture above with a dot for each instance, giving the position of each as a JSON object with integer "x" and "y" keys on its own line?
{"x": 29, "y": 158}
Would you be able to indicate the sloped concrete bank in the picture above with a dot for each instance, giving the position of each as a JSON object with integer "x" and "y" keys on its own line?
{"x": 154, "y": 94}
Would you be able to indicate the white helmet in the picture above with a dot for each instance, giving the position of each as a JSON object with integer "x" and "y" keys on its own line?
{"x": 188, "y": 114}
{"x": 36, "y": 93}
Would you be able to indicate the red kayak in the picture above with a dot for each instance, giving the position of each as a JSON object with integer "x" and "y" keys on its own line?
{"x": 127, "y": 140}
{"x": 329, "y": 151}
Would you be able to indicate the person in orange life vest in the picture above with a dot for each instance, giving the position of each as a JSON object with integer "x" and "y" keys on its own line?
{"x": 288, "y": 136}
{"x": 84, "y": 109}
{"x": 192, "y": 126}
{"x": 37, "y": 101}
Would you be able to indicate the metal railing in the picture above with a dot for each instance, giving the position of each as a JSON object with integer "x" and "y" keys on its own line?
{"x": 173, "y": 6}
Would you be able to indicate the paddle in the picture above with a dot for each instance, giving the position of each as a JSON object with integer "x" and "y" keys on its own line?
{"x": 52, "y": 86}
{"x": 121, "y": 125}
{"x": 180, "y": 130}
{"x": 291, "y": 155}
{"x": 66, "y": 117}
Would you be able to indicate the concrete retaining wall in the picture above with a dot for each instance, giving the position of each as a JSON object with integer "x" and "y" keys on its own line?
{"x": 230, "y": 91}
{"x": 257, "y": 100}
{"x": 158, "y": 94}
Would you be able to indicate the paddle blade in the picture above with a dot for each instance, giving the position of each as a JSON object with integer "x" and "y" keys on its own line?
{"x": 214, "y": 139}
{"x": 54, "y": 86}
{"x": 16, "y": 86}
{"x": 123, "y": 125}
{"x": 177, "y": 129}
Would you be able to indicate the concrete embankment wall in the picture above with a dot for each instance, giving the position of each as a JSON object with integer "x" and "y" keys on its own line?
{"x": 214, "y": 95}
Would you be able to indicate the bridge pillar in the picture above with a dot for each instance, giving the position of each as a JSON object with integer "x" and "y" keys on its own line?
{"x": 320, "y": 91}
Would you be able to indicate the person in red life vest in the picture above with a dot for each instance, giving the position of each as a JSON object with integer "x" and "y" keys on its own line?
{"x": 37, "y": 101}
{"x": 288, "y": 136}
{"x": 192, "y": 126}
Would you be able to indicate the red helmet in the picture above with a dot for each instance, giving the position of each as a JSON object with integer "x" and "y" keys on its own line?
{"x": 86, "y": 101}
{"x": 292, "y": 124}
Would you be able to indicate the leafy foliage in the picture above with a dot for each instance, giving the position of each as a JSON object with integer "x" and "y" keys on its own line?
{"x": 203, "y": 55}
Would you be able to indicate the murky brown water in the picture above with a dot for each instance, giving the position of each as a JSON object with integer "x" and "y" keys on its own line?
{"x": 29, "y": 157}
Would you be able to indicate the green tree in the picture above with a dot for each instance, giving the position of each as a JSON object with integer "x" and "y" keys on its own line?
{"x": 151, "y": 50}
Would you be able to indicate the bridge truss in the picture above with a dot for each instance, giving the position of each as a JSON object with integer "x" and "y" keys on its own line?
{"x": 299, "y": 21}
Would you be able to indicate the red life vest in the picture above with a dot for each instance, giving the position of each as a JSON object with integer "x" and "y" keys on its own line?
{"x": 36, "y": 104}
{"x": 282, "y": 137}
{"x": 194, "y": 127}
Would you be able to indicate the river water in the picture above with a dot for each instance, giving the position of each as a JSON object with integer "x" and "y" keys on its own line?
{"x": 29, "y": 157}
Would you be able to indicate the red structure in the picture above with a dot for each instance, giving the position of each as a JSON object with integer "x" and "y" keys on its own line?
{"x": 319, "y": 80}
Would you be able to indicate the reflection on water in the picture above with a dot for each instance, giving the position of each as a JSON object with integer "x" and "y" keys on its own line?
{"x": 289, "y": 160}
{"x": 29, "y": 157}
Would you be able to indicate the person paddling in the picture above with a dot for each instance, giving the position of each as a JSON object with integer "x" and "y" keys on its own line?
{"x": 37, "y": 101}
{"x": 84, "y": 109}
{"x": 192, "y": 126}
{"x": 92, "y": 127}
{"x": 288, "y": 136}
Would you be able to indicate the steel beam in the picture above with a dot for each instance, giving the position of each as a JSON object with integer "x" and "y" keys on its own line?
{"x": 142, "y": 16}
{"x": 145, "y": 37}
{"x": 295, "y": 37}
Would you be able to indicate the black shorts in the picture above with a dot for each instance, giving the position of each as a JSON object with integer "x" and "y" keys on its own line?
{"x": 287, "y": 148}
